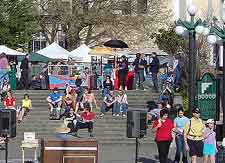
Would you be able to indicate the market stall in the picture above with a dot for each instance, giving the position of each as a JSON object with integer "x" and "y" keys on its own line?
{"x": 54, "y": 51}
{"x": 61, "y": 75}
{"x": 8, "y": 69}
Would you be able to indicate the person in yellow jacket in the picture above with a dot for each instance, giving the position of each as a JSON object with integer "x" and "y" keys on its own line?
{"x": 26, "y": 107}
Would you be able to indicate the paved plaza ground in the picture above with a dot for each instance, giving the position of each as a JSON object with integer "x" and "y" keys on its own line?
{"x": 110, "y": 153}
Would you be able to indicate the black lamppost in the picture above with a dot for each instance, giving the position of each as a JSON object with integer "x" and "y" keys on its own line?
{"x": 191, "y": 27}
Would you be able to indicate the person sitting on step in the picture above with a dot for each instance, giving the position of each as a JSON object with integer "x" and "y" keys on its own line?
{"x": 108, "y": 103}
{"x": 69, "y": 118}
{"x": 86, "y": 120}
{"x": 89, "y": 98}
{"x": 69, "y": 103}
{"x": 121, "y": 103}
{"x": 26, "y": 107}
{"x": 54, "y": 100}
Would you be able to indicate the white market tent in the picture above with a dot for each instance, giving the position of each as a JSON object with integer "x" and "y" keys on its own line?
{"x": 8, "y": 51}
{"x": 81, "y": 54}
{"x": 54, "y": 51}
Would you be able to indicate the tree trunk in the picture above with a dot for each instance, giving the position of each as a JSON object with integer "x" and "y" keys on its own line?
{"x": 73, "y": 41}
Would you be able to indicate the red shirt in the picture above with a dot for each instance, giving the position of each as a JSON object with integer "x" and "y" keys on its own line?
{"x": 88, "y": 116}
{"x": 164, "y": 133}
{"x": 9, "y": 102}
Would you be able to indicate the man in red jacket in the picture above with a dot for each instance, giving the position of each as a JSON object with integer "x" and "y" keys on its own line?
{"x": 86, "y": 121}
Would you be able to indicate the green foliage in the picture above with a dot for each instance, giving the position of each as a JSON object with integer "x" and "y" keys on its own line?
{"x": 17, "y": 22}
{"x": 168, "y": 41}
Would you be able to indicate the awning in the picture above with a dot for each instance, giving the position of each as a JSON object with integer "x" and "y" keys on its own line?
{"x": 54, "y": 51}
{"x": 8, "y": 51}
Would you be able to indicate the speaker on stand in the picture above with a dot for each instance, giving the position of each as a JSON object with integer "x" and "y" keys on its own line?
{"x": 7, "y": 127}
{"x": 136, "y": 126}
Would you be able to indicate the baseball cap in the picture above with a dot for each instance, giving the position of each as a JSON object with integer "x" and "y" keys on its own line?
{"x": 196, "y": 110}
{"x": 210, "y": 121}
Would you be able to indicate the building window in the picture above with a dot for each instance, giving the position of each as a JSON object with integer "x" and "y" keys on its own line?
{"x": 142, "y": 6}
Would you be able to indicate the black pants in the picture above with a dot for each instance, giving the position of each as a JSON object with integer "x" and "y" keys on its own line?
{"x": 163, "y": 149}
{"x": 122, "y": 77}
{"x": 24, "y": 79}
{"x": 82, "y": 125}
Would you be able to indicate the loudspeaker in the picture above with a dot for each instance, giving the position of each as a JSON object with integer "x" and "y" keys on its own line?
{"x": 8, "y": 122}
{"x": 136, "y": 123}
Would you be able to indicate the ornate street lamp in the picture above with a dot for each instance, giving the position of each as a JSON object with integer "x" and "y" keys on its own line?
{"x": 192, "y": 27}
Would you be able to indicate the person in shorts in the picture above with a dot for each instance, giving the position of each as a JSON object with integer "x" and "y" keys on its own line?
{"x": 194, "y": 136}
{"x": 54, "y": 100}
{"x": 210, "y": 147}
{"x": 25, "y": 108}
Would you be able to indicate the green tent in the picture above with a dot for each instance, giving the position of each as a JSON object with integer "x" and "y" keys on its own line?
{"x": 35, "y": 57}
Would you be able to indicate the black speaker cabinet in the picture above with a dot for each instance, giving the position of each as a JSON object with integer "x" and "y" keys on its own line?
{"x": 136, "y": 123}
{"x": 8, "y": 122}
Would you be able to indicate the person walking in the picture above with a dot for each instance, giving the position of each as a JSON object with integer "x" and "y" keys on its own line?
{"x": 163, "y": 134}
{"x": 154, "y": 69}
{"x": 179, "y": 122}
{"x": 210, "y": 147}
{"x": 177, "y": 67}
{"x": 25, "y": 72}
{"x": 139, "y": 68}
{"x": 194, "y": 135}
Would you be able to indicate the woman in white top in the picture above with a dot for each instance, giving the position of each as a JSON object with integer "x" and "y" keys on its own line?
{"x": 122, "y": 103}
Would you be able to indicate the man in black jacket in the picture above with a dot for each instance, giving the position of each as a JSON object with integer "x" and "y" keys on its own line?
{"x": 24, "y": 72}
{"x": 154, "y": 69}
{"x": 139, "y": 68}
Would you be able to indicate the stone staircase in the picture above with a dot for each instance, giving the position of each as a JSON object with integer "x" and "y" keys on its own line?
{"x": 107, "y": 130}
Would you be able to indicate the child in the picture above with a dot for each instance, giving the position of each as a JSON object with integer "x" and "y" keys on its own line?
{"x": 210, "y": 149}
{"x": 26, "y": 107}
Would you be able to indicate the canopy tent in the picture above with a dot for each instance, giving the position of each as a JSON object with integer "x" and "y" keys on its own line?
{"x": 101, "y": 51}
{"x": 150, "y": 50}
{"x": 35, "y": 57}
{"x": 54, "y": 51}
{"x": 8, "y": 51}
{"x": 81, "y": 54}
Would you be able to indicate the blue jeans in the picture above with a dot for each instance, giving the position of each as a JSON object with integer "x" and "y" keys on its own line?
{"x": 123, "y": 108}
{"x": 105, "y": 91}
{"x": 155, "y": 80}
{"x": 177, "y": 81}
{"x": 180, "y": 149}
{"x": 106, "y": 108}
{"x": 139, "y": 79}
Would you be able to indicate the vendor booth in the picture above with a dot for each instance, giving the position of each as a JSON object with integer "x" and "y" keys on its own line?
{"x": 61, "y": 75}
{"x": 8, "y": 70}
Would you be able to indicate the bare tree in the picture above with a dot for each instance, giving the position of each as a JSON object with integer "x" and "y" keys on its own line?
{"x": 93, "y": 21}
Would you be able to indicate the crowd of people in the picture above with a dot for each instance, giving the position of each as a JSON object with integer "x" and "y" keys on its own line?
{"x": 9, "y": 102}
{"x": 77, "y": 105}
{"x": 191, "y": 135}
